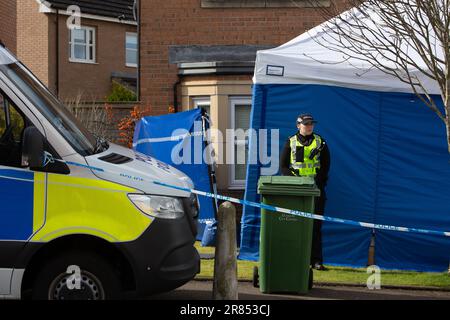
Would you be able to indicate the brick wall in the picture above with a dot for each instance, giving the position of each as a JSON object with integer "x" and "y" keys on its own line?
{"x": 36, "y": 47}
{"x": 32, "y": 39}
{"x": 92, "y": 81}
{"x": 8, "y": 23}
{"x": 175, "y": 22}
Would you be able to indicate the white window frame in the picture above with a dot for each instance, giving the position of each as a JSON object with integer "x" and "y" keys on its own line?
{"x": 131, "y": 65}
{"x": 199, "y": 102}
{"x": 234, "y": 183}
{"x": 94, "y": 45}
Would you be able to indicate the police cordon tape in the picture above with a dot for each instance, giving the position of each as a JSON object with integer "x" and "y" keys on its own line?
{"x": 50, "y": 159}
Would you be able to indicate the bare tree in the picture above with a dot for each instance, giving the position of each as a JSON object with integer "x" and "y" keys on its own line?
{"x": 407, "y": 39}
{"x": 94, "y": 116}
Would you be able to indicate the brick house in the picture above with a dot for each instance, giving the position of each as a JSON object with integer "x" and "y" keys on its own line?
{"x": 201, "y": 53}
{"x": 79, "y": 63}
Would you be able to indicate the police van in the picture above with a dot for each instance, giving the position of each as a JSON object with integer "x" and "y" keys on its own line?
{"x": 80, "y": 217}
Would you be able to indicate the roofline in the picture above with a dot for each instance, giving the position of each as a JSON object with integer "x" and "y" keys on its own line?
{"x": 45, "y": 7}
{"x": 217, "y": 68}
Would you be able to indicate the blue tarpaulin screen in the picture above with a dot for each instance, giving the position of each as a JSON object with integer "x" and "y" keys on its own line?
{"x": 159, "y": 136}
{"x": 389, "y": 165}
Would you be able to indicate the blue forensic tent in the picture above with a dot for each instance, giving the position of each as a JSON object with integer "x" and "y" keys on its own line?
{"x": 389, "y": 158}
{"x": 178, "y": 139}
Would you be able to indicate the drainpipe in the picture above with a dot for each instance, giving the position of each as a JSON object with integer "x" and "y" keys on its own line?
{"x": 175, "y": 93}
{"x": 137, "y": 12}
{"x": 57, "y": 55}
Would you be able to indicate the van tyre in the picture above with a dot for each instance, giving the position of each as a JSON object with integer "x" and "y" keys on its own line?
{"x": 77, "y": 276}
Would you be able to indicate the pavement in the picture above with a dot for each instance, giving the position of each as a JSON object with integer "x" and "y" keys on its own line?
{"x": 202, "y": 290}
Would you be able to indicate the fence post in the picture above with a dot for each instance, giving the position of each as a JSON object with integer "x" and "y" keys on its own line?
{"x": 225, "y": 265}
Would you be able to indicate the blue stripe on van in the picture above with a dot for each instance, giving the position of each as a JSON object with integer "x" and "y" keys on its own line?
{"x": 16, "y": 204}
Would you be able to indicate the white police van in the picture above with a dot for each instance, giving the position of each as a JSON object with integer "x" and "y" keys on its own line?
{"x": 79, "y": 217}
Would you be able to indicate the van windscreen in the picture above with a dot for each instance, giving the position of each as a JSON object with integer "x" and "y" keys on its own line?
{"x": 51, "y": 108}
{"x": 6, "y": 57}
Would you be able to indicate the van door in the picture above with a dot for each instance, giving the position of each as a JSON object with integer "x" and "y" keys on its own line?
{"x": 22, "y": 192}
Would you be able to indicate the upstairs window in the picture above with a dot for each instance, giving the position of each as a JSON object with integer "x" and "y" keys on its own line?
{"x": 82, "y": 45}
{"x": 131, "y": 47}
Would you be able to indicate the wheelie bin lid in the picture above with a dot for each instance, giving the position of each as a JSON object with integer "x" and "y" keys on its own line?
{"x": 288, "y": 185}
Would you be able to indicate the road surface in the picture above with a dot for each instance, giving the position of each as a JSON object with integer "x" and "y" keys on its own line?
{"x": 202, "y": 290}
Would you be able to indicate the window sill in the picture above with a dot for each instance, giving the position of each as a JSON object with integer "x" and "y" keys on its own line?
{"x": 129, "y": 65}
{"x": 82, "y": 61}
{"x": 236, "y": 187}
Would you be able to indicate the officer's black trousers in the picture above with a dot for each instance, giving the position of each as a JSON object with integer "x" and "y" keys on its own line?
{"x": 316, "y": 250}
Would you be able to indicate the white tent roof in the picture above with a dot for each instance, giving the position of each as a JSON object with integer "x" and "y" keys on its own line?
{"x": 304, "y": 60}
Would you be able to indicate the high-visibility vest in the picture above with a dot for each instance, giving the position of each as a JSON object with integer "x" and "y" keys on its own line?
{"x": 309, "y": 166}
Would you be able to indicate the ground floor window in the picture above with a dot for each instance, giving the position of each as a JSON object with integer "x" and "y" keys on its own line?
{"x": 228, "y": 103}
{"x": 240, "y": 108}
{"x": 131, "y": 49}
{"x": 202, "y": 103}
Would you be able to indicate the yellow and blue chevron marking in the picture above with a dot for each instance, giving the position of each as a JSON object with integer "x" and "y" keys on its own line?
{"x": 40, "y": 207}
{"x": 20, "y": 214}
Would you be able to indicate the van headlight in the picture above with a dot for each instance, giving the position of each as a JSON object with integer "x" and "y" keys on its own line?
{"x": 157, "y": 206}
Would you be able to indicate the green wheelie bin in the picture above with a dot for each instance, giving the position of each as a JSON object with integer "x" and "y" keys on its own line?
{"x": 285, "y": 240}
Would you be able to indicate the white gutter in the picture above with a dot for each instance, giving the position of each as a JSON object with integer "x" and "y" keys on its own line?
{"x": 45, "y": 7}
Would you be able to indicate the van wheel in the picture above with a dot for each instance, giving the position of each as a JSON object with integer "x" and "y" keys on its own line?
{"x": 77, "y": 276}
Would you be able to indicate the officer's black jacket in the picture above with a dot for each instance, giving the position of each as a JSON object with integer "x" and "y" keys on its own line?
{"x": 322, "y": 173}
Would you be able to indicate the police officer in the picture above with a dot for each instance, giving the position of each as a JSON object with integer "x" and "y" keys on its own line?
{"x": 306, "y": 154}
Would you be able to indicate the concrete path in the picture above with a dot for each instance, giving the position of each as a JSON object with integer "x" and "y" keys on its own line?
{"x": 202, "y": 290}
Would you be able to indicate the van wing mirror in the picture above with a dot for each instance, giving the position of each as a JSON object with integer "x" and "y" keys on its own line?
{"x": 33, "y": 148}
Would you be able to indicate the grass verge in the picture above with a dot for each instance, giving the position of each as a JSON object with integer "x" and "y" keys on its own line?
{"x": 340, "y": 274}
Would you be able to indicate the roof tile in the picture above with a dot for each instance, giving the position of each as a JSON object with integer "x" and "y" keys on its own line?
{"x": 119, "y": 9}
